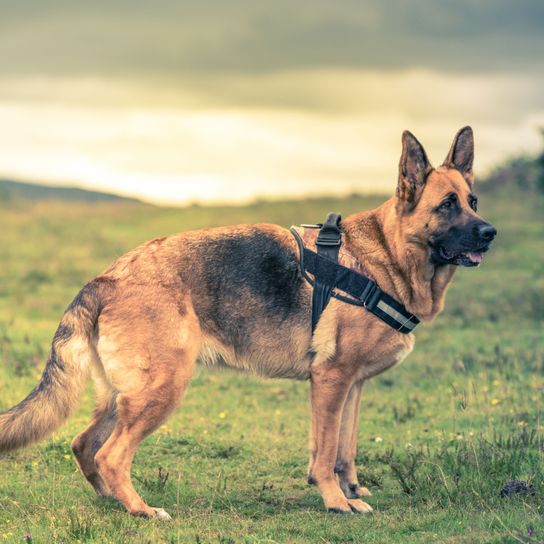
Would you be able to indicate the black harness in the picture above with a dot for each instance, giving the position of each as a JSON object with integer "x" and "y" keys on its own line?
{"x": 329, "y": 275}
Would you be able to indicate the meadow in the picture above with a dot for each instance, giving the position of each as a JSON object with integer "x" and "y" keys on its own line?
{"x": 440, "y": 435}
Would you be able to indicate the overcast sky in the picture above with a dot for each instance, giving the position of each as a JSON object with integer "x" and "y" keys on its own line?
{"x": 234, "y": 99}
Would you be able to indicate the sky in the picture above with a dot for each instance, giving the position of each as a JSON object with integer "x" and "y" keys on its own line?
{"x": 232, "y": 100}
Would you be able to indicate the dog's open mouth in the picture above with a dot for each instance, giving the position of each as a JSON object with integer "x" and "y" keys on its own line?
{"x": 466, "y": 258}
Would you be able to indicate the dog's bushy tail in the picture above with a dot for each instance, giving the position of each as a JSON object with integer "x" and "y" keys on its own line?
{"x": 63, "y": 379}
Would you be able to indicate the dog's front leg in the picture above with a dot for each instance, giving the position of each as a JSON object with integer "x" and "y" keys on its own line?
{"x": 331, "y": 384}
{"x": 347, "y": 446}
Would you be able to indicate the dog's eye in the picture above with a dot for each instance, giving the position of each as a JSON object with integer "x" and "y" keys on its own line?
{"x": 447, "y": 204}
{"x": 474, "y": 203}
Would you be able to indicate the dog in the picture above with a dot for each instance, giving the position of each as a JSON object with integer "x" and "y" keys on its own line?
{"x": 236, "y": 296}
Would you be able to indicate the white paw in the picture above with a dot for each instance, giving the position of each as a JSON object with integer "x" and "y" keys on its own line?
{"x": 161, "y": 513}
{"x": 359, "y": 507}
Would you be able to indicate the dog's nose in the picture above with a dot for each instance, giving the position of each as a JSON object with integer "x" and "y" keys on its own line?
{"x": 487, "y": 232}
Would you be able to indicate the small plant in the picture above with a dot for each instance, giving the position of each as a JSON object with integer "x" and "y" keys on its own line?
{"x": 79, "y": 528}
{"x": 402, "y": 415}
{"x": 462, "y": 469}
{"x": 155, "y": 484}
{"x": 405, "y": 468}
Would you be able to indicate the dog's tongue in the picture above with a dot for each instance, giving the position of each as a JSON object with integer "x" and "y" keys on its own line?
{"x": 475, "y": 256}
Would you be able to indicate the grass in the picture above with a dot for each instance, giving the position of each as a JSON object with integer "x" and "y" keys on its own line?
{"x": 440, "y": 435}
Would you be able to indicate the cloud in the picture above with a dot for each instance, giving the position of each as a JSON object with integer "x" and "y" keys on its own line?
{"x": 172, "y": 38}
{"x": 168, "y": 146}
{"x": 208, "y": 99}
{"x": 414, "y": 94}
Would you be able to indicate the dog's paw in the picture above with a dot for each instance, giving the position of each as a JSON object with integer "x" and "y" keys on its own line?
{"x": 359, "y": 507}
{"x": 355, "y": 491}
{"x": 365, "y": 492}
{"x": 161, "y": 513}
{"x": 338, "y": 505}
{"x": 350, "y": 506}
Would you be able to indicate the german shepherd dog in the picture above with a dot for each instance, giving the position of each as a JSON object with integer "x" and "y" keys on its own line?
{"x": 236, "y": 295}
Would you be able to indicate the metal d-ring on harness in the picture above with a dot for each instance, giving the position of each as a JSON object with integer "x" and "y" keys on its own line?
{"x": 329, "y": 277}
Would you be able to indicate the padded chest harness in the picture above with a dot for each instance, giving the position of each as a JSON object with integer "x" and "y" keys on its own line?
{"x": 328, "y": 277}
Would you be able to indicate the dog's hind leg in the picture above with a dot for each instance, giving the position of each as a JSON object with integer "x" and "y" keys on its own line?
{"x": 148, "y": 357}
{"x": 347, "y": 446}
{"x": 89, "y": 441}
{"x": 138, "y": 413}
{"x": 136, "y": 418}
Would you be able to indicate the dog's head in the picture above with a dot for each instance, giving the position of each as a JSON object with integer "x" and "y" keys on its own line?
{"x": 437, "y": 207}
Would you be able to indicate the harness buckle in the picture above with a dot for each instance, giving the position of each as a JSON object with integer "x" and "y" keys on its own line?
{"x": 330, "y": 233}
{"x": 328, "y": 241}
{"x": 370, "y": 295}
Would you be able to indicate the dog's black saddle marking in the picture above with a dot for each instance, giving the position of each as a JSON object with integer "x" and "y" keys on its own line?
{"x": 329, "y": 276}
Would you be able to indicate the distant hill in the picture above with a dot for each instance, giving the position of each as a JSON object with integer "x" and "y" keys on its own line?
{"x": 16, "y": 190}
{"x": 521, "y": 172}
{"x": 524, "y": 173}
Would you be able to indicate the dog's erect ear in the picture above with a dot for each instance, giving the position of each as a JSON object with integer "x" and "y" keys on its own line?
{"x": 414, "y": 167}
{"x": 461, "y": 155}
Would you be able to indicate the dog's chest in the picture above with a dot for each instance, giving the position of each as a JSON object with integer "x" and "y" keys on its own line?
{"x": 358, "y": 339}
{"x": 385, "y": 356}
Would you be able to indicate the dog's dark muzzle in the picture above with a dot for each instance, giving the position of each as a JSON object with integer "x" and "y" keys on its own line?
{"x": 464, "y": 247}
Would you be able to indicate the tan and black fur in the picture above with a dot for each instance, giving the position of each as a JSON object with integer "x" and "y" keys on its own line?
{"x": 235, "y": 295}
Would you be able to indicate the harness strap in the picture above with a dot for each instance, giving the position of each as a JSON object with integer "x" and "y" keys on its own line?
{"x": 328, "y": 245}
{"x": 362, "y": 290}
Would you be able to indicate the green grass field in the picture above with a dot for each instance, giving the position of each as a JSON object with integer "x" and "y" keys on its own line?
{"x": 440, "y": 435}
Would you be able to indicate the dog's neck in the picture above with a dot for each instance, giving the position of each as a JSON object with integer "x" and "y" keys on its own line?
{"x": 400, "y": 266}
